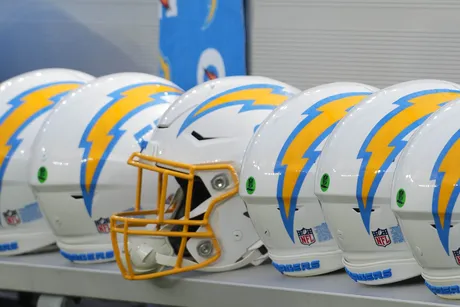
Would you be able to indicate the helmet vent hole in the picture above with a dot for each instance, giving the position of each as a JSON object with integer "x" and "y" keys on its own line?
{"x": 76, "y": 196}
{"x": 263, "y": 250}
{"x": 434, "y": 226}
{"x": 199, "y": 137}
{"x": 357, "y": 210}
{"x": 296, "y": 209}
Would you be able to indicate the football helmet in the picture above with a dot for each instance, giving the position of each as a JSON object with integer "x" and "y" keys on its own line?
{"x": 78, "y": 170}
{"x": 425, "y": 196}
{"x": 354, "y": 175}
{"x": 199, "y": 143}
{"x": 278, "y": 173}
{"x": 25, "y": 102}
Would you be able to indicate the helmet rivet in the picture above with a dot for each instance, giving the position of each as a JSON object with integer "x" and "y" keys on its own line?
{"x": 219, "y": 182}
{"x": 237, "y": 235}
{"x": 205, "y": 249}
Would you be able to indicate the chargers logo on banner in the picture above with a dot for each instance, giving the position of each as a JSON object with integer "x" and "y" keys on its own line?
{"x": 201, "y": 40}
{"x": 210, "y": 66}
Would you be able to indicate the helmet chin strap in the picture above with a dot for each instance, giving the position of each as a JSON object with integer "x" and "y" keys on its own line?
{"x": 155, "y": 253}
{"x": 145, "y": 254}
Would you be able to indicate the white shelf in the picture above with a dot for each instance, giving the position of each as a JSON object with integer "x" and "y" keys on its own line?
{"x": 262, "y": 286}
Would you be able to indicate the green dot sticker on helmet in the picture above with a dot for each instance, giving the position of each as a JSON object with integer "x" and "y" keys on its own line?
{"x": 324, "y": 184}
{"x": 250, "y": 185}
{"x": 42, "y": 174}
{"x": 401, "y": 198}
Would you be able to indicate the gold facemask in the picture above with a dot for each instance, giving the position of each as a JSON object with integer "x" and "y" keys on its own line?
{"x": 129, "y": 224}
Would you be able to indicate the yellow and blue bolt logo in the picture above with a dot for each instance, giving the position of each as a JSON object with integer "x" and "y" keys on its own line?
{"x": 25, "y": 108}
{"x": 385, "y": 141}
{"x": 104, "y": 131}
{"x": 250, "y": 97}
{"x": 446, "y": 173}
{"x": 299, "y": 153}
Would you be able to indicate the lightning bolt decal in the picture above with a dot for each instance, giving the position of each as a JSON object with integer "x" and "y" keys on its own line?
{"x": 385, "y": 141}
{"x": 446, "y": 173}
{"x": 139, "y": 137}
{"x": 299, "y": 153}
{"x": 25, "y": 108}
{"x": 250, "y": 97}
{"x": 104, "y": 130}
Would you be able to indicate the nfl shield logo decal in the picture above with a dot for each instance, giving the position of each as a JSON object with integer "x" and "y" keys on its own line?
{"x": 457, "y": 256}
{"x": 103, "y": 225}
{"x": 306, "y": 236}
{"x": 381, "y": 237}
{"x": 12, "y": 217}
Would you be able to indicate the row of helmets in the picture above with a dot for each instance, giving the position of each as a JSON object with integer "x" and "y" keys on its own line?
{"x": 234, "y": 171}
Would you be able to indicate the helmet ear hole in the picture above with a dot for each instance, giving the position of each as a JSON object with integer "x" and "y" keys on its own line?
{"x": 199, "y": 195}
{"x": 434, "y": 226}
{"x": 175, "y": 241}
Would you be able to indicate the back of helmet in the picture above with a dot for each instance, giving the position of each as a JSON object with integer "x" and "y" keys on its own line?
{"x": 425, "y": 199}
{"x": 278, "y": 178}
{"x": 25, "y": 102}
{"x": 84, "y": 147}
{"x": 355, "y": 172}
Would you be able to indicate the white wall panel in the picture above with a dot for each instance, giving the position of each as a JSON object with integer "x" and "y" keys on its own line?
{"x": 96, "y": 36}
{"x": 379, "y": 42}
{"x": 302, "y": 42}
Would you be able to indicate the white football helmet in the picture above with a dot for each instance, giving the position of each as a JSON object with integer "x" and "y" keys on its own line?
{"x": 354, "y": 175}
{"x": 25, "y": 102}
{"x": 425, "y": 196}
{"x": 78, "y": 170}
{"x": 199, "y": 143}
{"x": 278, "y": 173}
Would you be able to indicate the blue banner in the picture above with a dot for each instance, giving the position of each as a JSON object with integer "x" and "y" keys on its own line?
{"x": 201, "y": 40}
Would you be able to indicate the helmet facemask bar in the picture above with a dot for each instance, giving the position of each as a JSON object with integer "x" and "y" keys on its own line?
{"x": 123, "y": 223}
